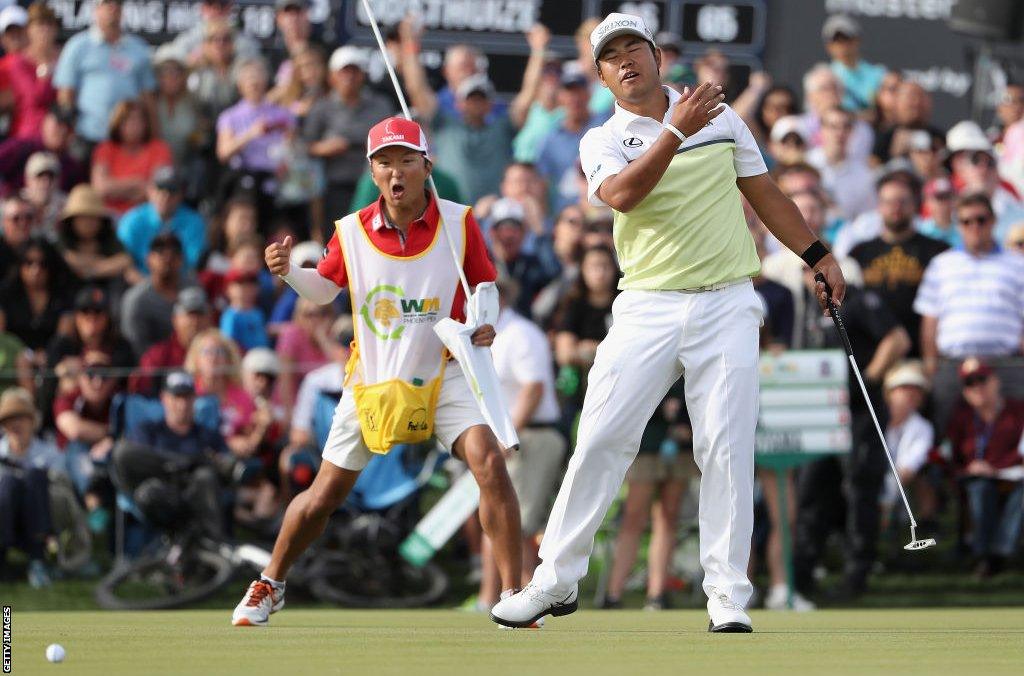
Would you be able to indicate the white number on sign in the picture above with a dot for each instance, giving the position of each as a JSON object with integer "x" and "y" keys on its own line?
{"x": 648, "y": 11}
{"x": 717, "y": 23}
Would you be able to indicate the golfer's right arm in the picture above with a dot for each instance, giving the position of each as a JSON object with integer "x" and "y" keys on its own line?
{"x": 307, "y": 282}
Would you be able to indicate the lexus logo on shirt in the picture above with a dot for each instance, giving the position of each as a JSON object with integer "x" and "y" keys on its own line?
{"x": 633, "y": 142}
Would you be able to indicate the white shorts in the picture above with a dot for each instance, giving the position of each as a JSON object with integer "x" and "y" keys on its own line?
{"x": 457, "y": 411}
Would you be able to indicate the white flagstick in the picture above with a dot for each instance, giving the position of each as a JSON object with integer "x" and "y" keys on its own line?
{"x": 470, "y": 315}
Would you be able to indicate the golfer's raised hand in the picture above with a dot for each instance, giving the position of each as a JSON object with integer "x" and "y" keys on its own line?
{"x": 835, "y": 283}
{"x": 278, "y": 256}
{"x": 697, "y": 107}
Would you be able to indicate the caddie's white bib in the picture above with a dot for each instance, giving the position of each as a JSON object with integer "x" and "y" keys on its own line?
{"x": 396, "y": 300}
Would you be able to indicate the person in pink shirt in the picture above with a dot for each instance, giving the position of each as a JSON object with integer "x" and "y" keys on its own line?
{"x": 303, "y": 345}
{"x": 215, "y": 363}
{"x": 29, "y": 73}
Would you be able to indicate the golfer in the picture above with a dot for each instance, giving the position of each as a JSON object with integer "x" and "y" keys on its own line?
{"x": 399, "y": 386}
{"x": 672, "y": 167}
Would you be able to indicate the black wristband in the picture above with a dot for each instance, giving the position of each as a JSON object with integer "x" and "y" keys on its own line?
{"x": 814, "y": 253}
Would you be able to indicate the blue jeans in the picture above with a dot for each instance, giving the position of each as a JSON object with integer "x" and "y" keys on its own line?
{"x": 24, "y": 511}
{"x": 996, "y": 510}
{"x": 80, "y": 465}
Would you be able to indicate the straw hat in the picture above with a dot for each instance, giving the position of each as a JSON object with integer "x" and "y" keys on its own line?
{"x": 17, "y": 402}
{"x": 84, "y": 201}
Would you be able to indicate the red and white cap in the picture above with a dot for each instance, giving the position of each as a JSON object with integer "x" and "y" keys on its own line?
{"x": 396, "y": 131}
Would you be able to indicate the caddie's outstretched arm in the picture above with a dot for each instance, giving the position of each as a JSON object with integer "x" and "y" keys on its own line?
{"x": 692, "y": 111}
{"x": 783, "y": 220}
{"x": 308, "y": 283}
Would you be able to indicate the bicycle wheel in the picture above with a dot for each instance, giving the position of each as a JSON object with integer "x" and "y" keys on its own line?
{"x": 172, "y": 576}
{"x": 359, "y": 581}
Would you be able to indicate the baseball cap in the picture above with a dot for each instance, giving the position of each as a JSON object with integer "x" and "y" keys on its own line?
{"x": 475, "y": 84}
{"x": 790, "y": 124}
{"x": 507, "y": 209}
{"x": 165, "y": 240}
{"x": 347, "y": 56}
{"x": 168, "y": 53}
{"x": 179, "y": 383}
{"x": 282, "y": 5}
{"x": 907, "y": 373}
{"x": 305, "y": 253}
{"x": 840, "y": 24}
{"x": 236, "y": 275}
{"x": 920, "y": 140}
{"x": 938, "y": 186}
{"x": 191, "y": 300}
{"x": 261, "y": 360}
{"x": 168, "y": 178}
{"x": 91, "y": 298}
{"x": 972, "y": 367}
{"x": 967, "y": 136}
{"x": 614, "y": 25}
{"x": 572, "y": 75}
{"x": 396, "y": 131}
{"x": 13, "y": 15}
{"x": 42, "y": 162}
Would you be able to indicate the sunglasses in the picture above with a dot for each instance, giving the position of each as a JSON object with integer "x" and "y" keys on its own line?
{"x": 981, "y": 159}
{"x": 979, "y": 221}
{"x": 975, "y": 380}
{"x": 218, "y": 351}
{"x": 1016, "y": 243}
{"x": 95, "y": 372}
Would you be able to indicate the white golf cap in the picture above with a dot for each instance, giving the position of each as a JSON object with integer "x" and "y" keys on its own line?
{"x": 507, "y": 209}
{"x": 840, "y": 24}
{"x": 475, "y": 84}
{"x": 907, "y": 373}
{"x": 616, "y": 24}
{"x": 261, "y": 360}
{"x": 347, "y": 56}
{"x": 967, "y": 135}
{"x": 305, "y": 253}
{"x": 13, "y": 15}
{"x": 790, "y": 124}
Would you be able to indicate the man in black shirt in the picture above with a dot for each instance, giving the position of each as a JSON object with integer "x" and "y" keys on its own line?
{"x": 158, "y": 452}
{"x": 893, "y": 263}
{"x": 508, "y": 234}
{"x": 878, "y": 341}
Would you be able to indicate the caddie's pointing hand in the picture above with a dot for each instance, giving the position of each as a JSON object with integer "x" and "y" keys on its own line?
{"x": 278, "y": 256}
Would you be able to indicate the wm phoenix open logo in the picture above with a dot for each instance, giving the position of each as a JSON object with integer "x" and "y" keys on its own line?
{"x": 386, "y": 311}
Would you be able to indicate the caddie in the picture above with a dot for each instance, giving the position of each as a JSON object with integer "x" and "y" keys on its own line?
{"x": 400, "y": 386}
{"x": 673, "y": 168}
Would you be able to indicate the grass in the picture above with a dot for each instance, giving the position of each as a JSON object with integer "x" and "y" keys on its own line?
{"x": 324, "y": 641}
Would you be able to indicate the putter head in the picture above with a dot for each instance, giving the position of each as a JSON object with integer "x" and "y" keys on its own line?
{"x": 914, "y": 545}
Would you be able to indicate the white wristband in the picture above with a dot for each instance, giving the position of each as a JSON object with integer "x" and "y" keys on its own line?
{"x": 679, "y": 134}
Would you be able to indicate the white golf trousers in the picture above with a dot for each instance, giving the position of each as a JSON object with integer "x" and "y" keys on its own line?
{"x": 712, "y": 338}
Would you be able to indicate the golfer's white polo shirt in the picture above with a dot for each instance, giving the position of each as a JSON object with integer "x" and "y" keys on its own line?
{"x": 689, "y": 231}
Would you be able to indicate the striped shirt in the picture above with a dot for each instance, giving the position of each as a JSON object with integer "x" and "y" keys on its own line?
{"x": 978, "y": 301}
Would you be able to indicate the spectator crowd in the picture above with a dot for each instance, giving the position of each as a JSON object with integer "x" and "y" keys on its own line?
{"x": 140, "y": 186}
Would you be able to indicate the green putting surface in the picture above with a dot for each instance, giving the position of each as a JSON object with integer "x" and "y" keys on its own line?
{"x": 378, "y": 643}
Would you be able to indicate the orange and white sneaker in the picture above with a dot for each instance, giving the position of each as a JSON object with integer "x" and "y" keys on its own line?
{"x": 259, "y": 602}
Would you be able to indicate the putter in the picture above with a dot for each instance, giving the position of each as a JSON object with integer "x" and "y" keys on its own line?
{"x": 914, "y": 543}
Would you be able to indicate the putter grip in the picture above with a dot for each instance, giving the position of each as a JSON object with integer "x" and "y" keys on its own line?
{"x": 837, "y": 319}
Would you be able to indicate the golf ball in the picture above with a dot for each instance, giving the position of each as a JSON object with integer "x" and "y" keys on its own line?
{"x": 55, "y": 652}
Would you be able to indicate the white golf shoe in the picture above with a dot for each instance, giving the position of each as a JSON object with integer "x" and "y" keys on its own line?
{"x": 726, "y": 617}
{"x": 259, "y": 602}
{"x": 525, "y": 608}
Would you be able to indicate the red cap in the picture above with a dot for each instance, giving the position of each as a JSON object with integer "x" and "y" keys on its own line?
{"x": 395, "y": 131}
{"x": 938, "y": 186}
{"x": 236, "y": 275}
{"x": 972, "y": 366}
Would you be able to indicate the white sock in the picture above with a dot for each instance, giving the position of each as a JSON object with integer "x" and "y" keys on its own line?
{"x": 505, "y": 594}
{"x": 279, "y": 586}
